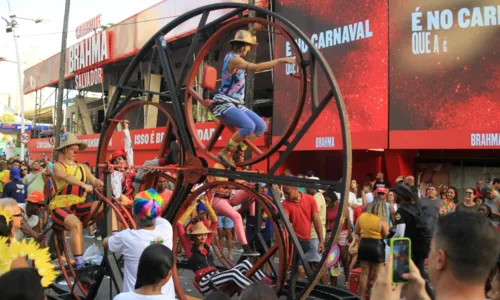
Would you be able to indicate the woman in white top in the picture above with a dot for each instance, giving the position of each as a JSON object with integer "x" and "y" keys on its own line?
{"x": 154, "y": 271}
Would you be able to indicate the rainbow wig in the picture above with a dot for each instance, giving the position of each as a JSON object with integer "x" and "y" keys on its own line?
{"x": 147, "y": 205}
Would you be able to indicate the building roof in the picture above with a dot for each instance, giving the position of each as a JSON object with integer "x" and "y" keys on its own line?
{"x": 126, "y": 41}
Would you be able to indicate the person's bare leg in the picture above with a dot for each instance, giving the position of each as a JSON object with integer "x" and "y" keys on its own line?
{"x": 344, "y": 257}
{"x": 363, "y": 279}
{"x": 229, "y": 240}
{"x": 74, "y": 225}
{"x": 91, "y": 230}
{"x": 354, "y": 261}
{"x": 237, "y": 138}
{"x": 221, "y": 235}
{"x": 300, "y": 273}
{"x": 252, "y": 137}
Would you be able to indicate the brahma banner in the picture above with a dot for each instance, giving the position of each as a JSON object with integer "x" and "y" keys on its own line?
{"x": 353, "y": 37}
{"x": 146, "y": 142}
{"x": 445, "y": 74}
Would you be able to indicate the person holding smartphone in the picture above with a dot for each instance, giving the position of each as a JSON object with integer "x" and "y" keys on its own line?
{"x": 458, "y": 267}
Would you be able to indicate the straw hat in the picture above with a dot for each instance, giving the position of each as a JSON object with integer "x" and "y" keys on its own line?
{"x": 245, "y": 36}
{"x": 199, "y": 228}
{"x": 69, "y": 139}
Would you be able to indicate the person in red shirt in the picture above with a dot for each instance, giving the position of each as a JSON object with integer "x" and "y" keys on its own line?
{"x": 302, "y": 210}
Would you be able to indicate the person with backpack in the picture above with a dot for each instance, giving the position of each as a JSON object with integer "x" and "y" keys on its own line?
{"x": 411, "y": 223}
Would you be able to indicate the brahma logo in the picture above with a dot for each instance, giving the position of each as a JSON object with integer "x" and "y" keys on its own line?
{"x": 325, "y": 142}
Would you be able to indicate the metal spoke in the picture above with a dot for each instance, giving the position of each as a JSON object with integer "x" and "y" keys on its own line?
{"x": 302, "y": 131}
{"x": 186, "y": 65}
{"x": 215, "y": 136}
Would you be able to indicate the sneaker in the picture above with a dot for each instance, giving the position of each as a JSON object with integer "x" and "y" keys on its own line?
{"x": 89, "y": 236}
{"x": 98, "y": 237}
{"x": 225, "y": 157}
{"x": 247, "y": 251}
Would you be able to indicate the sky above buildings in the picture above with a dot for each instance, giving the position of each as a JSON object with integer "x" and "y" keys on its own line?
{"x": 39, "y": 41}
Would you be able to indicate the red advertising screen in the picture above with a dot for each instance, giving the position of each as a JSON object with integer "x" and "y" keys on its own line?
{"x": 353, "y": 37}
{"x": 444, "y": 74}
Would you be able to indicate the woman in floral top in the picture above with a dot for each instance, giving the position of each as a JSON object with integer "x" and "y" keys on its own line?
{"x": 450, "y": 202}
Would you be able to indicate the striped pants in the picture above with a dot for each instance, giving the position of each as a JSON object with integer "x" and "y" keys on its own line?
{"x": 234, "y": 275}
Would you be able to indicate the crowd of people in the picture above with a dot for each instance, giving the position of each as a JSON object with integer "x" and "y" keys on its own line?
{"x": 458, "y": 237}
{"x": 375, "y": 213}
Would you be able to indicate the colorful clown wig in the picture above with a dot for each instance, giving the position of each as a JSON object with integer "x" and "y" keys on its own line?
{"x": 147, "y": 205}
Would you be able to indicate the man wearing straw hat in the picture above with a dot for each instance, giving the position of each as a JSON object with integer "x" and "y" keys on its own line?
{"x": 68, "y": 206}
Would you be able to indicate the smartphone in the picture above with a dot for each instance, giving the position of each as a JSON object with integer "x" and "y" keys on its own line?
{"x": 401, "y": 255}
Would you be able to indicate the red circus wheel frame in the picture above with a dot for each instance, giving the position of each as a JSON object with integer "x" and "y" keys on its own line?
{"x": 169, "y": 128}
{"x": 160, "y": 45}
{"x": 282, "y": 246}
{"x": 191, "y": 94}
{"x": 151, "y": 177}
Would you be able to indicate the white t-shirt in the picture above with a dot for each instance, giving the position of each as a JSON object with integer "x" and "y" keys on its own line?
{"x": 352, "y": 200}
{"x": 32, "y": 222}
{"x": 369, "y": 198}
{"x": 131, "y": 243}
{"x": 135, "y": 296}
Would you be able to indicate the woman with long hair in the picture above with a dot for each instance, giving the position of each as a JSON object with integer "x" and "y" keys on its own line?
{"x": 359, "y": 204}
{"x": 229, "y": 103}
{"x": 332, "y": 213}
{"x": 360, "y": 194}
{"x": 450, "y": 202}
{"x": 372, "y": 227}
{"x": 154, "y": 271}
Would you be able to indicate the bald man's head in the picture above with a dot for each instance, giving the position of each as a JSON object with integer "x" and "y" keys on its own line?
{"x": 410, "y": 180}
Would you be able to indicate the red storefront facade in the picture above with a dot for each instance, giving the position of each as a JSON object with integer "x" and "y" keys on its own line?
{"x": 420, "y": 80}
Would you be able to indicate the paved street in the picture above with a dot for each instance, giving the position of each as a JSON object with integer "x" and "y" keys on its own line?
{"x": 186, "y": 276}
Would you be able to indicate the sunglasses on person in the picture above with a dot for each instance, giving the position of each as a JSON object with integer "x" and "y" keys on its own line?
{"x": 202, "y": 235}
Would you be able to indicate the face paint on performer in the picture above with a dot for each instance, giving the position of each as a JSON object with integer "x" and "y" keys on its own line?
{"x": 121, "y": 160}
{"x": 201, "y": 238}
{"x": 71, "y": 152}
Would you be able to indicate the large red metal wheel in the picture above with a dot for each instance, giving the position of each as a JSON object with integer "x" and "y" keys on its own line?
{"x": 59, "y": 233}
{"x": 281, "y": 246}
{"x": 150, "y": 179}
{"x": 192, "y": 96}
{"x": 170, "y": 127}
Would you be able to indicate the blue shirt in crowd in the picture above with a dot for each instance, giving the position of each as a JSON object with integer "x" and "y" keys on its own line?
{"x": 15, "y": 189}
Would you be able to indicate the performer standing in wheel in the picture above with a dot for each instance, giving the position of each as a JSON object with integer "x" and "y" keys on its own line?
{"x": 228, "y": 104}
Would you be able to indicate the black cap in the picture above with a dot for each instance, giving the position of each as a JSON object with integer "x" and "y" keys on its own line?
{"x": 404, "y": 192}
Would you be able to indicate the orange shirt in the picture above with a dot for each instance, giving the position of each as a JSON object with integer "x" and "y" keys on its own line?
{"x": 166, "y": 194}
